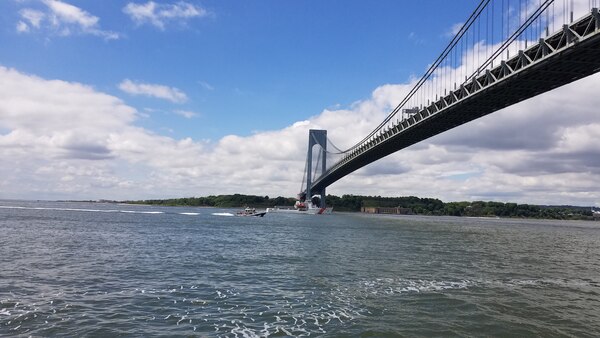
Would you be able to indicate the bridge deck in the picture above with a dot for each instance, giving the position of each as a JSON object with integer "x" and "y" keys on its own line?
{"x": 564, "y": 57}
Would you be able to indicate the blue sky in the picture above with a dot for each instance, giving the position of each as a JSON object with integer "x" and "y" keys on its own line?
{"x": 154, "y": 99}
{"x": 244, "y": 66}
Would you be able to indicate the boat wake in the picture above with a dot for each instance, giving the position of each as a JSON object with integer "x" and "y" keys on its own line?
{"x": 81, "y": 210}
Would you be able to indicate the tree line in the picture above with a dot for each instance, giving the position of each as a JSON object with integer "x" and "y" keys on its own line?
{"x": 432, "y": 206}
{"x": 222, "y": 201}
{"x": 415, "y": 205}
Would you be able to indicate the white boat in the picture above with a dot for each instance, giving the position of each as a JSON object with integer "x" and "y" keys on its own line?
{"x": 595, "y": 213}
{"x": 250, "y": 212}
{"x": 306, "y": 207}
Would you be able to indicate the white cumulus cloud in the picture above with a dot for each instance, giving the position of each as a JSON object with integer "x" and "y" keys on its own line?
{"x": 67, "y": 140}
{"x": 33, "y": 17}
{"x": 153, "y": 90}
{"x": 62, "y": 19}
{"x": 22, "y": 27}
{"x": 186, "y": 113}
{"x": 62, "y": 12}
{"x": 159, "y": 14}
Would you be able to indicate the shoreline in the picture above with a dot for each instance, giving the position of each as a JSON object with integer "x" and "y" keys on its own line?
{"x": 417, "y": 206}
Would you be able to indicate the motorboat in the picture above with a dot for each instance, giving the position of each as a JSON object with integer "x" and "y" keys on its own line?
{"x": 250, "y": 212}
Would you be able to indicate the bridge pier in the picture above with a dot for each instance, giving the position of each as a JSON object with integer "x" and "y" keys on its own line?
{"x": 316, "y": 137}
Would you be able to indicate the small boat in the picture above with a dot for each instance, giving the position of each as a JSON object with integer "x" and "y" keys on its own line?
{"x": 250, "y": 212}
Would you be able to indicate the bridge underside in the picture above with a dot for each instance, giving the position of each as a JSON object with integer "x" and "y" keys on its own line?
{"x": 493, "y": 91}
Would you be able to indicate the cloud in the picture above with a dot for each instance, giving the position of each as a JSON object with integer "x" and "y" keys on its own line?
{"x": 383, "y": 168}
{"x": 33, "y": 17}
{"x": 56, "y": 132}
{"x": 206, "y": 85}
{"x": 67, "y": 140}
{"x": 412, "y": 36}
{"x": 186, "y": 113}
{"x": 62, "y": 19}
{"x": 65, "y": 13}
{"x": 22, "y": 27}
{"x": 454, "y": 29}
{"x": 153, "y": 90}
{"x": 159, "y": 15}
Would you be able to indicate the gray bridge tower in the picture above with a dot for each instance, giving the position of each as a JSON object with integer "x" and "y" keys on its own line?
{"x": 315, "y": 137}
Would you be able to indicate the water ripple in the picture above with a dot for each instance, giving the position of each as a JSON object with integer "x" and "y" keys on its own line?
{"x": 76, "y": 269}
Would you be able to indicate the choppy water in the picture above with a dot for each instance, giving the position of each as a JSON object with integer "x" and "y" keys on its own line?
{"x": 79, "y": 269}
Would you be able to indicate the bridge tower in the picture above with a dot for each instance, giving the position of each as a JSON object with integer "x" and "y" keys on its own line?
{"x": 316, "y": 137}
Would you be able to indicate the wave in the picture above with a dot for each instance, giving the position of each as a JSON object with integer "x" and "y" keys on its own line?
{"x": 229, "y": 311}
{"x": 80, "y": 210}
{"x": 190, "y": 213}
{"x": 400, "y": 286}
{"x": 224, "y": 311}
{"x": 56, "y": 209}
{"x": 141, "y": 212}
{"x": 222, "y": 214}
{"x": 403, "y": 286}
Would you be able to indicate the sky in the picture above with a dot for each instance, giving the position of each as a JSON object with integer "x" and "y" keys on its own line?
{"x": 159, "y": 99}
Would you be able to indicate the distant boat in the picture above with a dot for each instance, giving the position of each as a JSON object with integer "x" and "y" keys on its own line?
{"x": 306, "y": 207}
{"x": 251, "y": 212}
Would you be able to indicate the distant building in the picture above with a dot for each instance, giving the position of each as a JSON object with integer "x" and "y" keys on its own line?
{"x": 383, "y": 210}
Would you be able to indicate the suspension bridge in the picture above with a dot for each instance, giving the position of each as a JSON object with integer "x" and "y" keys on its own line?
{"x": 506, "y": 52}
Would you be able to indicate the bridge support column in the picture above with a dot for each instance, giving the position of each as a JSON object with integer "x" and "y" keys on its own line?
{"x": 316, "y": 136}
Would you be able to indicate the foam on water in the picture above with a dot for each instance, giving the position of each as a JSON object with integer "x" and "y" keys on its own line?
{"x": 403, "y": 286}
{"x": 223, "y": 311}
{"x": 56, "y": 209}
{"x": 84, "y": 210}
{"x": 389, "y": 286}
{"x": 547, "y": 282}
{"x": 142, "y": 212}
{"x": 222, "y": 214}
{"x": 190, "y": 213}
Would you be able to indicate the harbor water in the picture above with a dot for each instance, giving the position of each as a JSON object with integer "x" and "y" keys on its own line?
{"x": 93, "y": 269}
